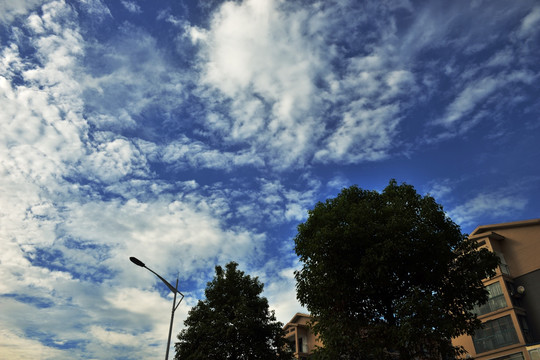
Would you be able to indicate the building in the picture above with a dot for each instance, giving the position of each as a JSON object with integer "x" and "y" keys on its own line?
{"x": 300, "y": 337}
{"x": 511, "y": 317}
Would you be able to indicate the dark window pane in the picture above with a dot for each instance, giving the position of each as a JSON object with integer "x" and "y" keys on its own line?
{"x": 496, "y": 300}
{"x": 495, "y": 334}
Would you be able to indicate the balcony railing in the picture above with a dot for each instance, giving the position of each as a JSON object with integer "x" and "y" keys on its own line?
{"x": 505, "y": 269}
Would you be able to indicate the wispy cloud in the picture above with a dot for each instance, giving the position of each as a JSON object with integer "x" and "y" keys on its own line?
{"x": 477, "y": 92}
{"x": 530, "y": 23}
{"x": 497, "y": 206}
{"x": 96, "y": 9}
{"x": 131, "y": 6}
{"x": 127, "y": 78}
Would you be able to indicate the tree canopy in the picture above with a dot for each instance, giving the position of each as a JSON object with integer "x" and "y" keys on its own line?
{"x": 389, "y": 275}
{"x": 233, "y": 322}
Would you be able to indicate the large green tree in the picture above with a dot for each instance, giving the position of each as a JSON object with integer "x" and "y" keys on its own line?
{"x": 389, "y": 275}
{"x": 232, "y": 323}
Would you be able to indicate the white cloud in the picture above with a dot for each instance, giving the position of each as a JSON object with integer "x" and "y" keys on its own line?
{"x": 502, "y": 58}
{"x": 272, "y": 66}
{"x": 277, "y": 275}
{"x": 186, "y": 153}
{"x": 185, "y": 231}
{"x": 42, "y": 130}
{"x": 364, "y": 134}
{"x": 113, "y": 160}
{"x": 338, "y": 182}
{"x": 477, "y": 91}
{"x": 488, "y": 205}
{"x": 274, "y": 203}
{"x": 95, "y": 8}
{"x": 132, "y": 6}
{"x": 10, "y": 9}
{"x": 469, "y": 98}
{"x": 530, "y": 23}
{"x": 45, "y": 141}
{"x": 439, "y": 190}
{"x": 280, "y": 289}
{"x": 256, "y": 55}
{"x": 18, "y": 347}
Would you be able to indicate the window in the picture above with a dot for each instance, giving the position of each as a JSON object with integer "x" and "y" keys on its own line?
{"x": 495, "y": 334}
{"x": 504, "y": 268}
{"x": 302, "y": 345}
{"x": 495, "y": 301}
{"x": 516, "y": 356}
{"x": 534, "y": 354}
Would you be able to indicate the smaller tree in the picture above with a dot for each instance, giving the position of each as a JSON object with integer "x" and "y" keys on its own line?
{"x": 233, "y": 322}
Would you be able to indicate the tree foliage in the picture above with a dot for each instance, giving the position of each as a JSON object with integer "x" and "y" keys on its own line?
{"x": 233, "y": 322}
{"x": 388, "y": 275}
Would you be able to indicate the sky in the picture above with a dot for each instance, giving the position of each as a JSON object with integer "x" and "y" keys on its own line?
{"x": 194, "y": 133}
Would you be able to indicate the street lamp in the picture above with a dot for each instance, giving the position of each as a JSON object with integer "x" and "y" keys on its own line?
{"x": 173, "y": 289}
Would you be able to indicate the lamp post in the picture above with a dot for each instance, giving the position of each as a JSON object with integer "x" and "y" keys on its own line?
{"x": 173, "y": 289}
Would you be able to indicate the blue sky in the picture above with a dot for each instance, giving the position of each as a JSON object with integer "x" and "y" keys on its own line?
{"x": 190, "y": 134}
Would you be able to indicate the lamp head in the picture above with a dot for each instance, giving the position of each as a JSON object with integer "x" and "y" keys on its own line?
{"x": 137, "y": 261}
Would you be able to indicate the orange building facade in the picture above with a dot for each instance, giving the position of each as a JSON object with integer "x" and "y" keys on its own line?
{"x": 511, "y": 317}
{"x": 300, "y": 337}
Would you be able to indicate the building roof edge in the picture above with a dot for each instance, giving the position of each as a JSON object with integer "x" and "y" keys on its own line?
{"x": 293, "y": 320}
{"x": 486, "y": 228}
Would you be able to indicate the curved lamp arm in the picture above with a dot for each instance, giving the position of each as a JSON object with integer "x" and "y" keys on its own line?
{"x": 141, "y": 264}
